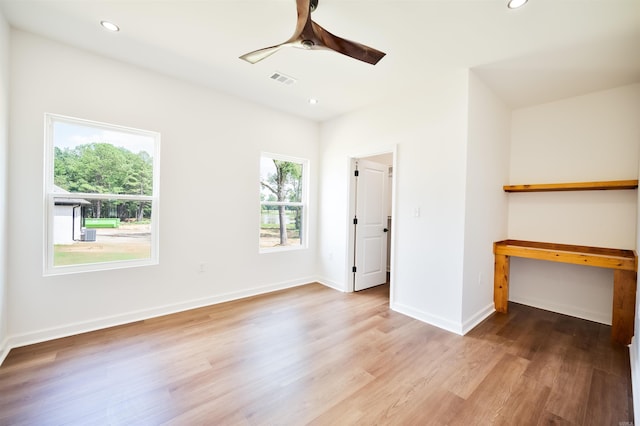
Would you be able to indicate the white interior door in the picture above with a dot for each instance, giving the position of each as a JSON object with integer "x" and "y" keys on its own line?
{"x": 371, "y": 228}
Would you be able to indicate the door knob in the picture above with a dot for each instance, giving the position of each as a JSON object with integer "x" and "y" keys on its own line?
{"x": 385, "y": 230}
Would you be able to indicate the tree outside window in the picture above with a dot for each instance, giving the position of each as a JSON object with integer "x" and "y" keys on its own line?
{"x": 282, "y": 202}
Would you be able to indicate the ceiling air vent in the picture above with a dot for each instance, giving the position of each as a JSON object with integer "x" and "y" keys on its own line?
{"x": 284, "y": 79}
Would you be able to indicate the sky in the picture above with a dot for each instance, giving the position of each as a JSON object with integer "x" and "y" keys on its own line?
{"x": 71, "y": 135}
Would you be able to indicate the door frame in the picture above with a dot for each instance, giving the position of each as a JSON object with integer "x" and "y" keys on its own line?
{"x": 350, "y": 244}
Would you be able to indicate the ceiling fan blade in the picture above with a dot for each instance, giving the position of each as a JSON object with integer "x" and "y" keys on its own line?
{"x": 258, "y": 55}
{"x": 302, "y": 25}
{"x": 304, "y": 18}
{"x": 347, "y": 47}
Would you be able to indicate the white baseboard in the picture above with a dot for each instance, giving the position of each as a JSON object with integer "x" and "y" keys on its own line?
{"x": 574, "y": 311}
{"x": 434, "y": 320}
{"x": 477, "y": 318}
{"x": 4, "y": 350}
{"x": 331, "y": 284}
{"x": 16, "y": 341}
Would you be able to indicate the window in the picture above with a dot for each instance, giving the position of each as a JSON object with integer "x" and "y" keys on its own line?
{"x": 282, "y": 202}
{"x": 101, "y": 196}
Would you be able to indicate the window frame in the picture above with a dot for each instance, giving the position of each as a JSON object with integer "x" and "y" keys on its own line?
{"x": 49, "y": 194}
{"x": 304, "y": 203}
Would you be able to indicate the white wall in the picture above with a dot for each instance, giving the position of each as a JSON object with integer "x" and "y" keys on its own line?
{"x": 486, "y": 203}
{"x": 209, "y": 211}
{"x": 586, "y": 138}
{"x": 428, "y": 124}
{"x": 4, "y": 164}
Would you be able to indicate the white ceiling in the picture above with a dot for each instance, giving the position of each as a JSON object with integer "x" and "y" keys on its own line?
{"x": 547, "y": 50}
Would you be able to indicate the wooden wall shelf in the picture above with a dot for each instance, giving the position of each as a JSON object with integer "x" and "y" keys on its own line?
{"x": 623, "y": 262}
{"x": 573, "y": 186}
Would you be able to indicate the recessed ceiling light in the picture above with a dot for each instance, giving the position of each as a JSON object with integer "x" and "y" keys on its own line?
{"x": 110, "y": 26}
{"x": 313, "y": 101}
{"x": 514, "y": 4}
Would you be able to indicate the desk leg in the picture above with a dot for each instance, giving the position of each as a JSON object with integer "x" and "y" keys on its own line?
{"x": 501, "y": 283}
{"x": 624, "y": 306}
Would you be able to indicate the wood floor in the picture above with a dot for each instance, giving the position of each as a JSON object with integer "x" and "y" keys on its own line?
{"x": 312, "y": 355}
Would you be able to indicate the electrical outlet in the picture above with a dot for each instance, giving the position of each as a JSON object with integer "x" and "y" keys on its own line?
{"x": 201, "y": 267}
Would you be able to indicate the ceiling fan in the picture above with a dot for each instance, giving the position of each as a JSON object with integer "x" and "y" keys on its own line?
{"x": 311, "y": 36}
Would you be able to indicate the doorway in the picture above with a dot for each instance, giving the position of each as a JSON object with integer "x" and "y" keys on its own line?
{"x": 371, "y": 220}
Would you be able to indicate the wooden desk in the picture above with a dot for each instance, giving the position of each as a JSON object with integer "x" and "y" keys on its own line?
{"x": 623, "y": 262}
